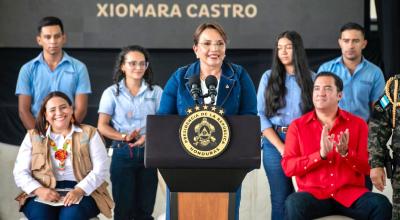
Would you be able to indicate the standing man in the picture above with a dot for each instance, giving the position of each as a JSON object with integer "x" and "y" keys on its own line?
{"x": 52, "y": 70}
{"x": 363, "y": 80}
{"x": 326, "y": 150}
{"x": 383, "y": 123}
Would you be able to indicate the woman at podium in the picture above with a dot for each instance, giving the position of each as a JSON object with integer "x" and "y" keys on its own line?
{"x": 235, "y": 92}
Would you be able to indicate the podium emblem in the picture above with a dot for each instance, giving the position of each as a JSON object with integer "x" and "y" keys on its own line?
{"x": 204, "y": 133}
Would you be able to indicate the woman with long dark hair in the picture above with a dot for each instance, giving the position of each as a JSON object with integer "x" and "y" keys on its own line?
{"x": 126, "y": 105}
{"x": 284, "y": 94}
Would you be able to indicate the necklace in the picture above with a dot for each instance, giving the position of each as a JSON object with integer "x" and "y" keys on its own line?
{"x": 60, "y": 154}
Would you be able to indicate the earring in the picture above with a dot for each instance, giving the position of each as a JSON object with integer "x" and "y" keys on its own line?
{"x": 47, "y": 125}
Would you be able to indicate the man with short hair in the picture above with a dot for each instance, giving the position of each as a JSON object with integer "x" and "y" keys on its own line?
{"x": 363, "y": 80}
{"x": 52, "y": 70}
{"x": 326, "y": 150}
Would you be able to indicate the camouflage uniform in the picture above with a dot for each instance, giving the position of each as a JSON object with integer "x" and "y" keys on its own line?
{"x": 380, "y": 130}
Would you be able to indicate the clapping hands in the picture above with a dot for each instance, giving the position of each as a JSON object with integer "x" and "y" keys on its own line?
{"x": 342, "y": 146}
{"x": 328, "y": 142}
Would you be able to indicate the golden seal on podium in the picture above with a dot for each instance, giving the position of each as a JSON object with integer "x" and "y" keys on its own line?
{"x": 204, "y": 133}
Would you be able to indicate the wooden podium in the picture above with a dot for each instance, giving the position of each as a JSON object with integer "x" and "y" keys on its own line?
{"x": 202, "y": 189}
{"x": 212, "y": 205}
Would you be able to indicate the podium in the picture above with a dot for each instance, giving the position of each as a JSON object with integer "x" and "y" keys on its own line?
{"x": 202, "y": 188}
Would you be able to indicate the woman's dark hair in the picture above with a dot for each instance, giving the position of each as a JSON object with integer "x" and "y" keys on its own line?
{"x": 119, "y": 74}
{"x": 40, "y": 122}
{"x": 276, "y": 90}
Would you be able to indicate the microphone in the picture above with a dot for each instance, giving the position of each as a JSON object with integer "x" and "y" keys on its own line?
{"x": 195, "y": 90}
{"x": 211, "y": 83}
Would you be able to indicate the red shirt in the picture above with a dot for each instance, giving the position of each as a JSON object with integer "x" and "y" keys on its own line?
{"x": 337, "y": 177}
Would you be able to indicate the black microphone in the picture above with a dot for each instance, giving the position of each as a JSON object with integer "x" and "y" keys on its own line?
{"x": 211, "y": 83}
{"x": 195, "y": 89}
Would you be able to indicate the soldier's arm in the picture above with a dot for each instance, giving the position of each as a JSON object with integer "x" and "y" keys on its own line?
{"x": 379, "y": 134}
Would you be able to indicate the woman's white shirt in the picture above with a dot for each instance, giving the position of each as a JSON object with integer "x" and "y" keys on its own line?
{"x": 98, "y": 155}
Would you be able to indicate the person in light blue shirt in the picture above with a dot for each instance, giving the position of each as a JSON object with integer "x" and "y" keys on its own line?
{"x": 52, "y": 70}
{"x": 122, "y": 118}
{"x": 284, "y": 94}
{"x": 363, "y": 81}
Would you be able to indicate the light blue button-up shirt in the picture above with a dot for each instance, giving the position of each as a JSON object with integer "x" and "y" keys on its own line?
{"x": 285, "y": 115}
{"x": 36, "y": 79}
{"x": 129, "y": 112}
{"x": 364, "y": 87}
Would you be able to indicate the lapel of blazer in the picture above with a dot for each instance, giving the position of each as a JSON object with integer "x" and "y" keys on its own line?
{"x": 226, "y": 84}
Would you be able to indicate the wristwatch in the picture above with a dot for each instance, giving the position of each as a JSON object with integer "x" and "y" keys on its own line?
{"x": 123, "y": 136}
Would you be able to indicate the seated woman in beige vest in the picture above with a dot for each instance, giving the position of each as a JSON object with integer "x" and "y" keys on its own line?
{"x": 62, "y": 166}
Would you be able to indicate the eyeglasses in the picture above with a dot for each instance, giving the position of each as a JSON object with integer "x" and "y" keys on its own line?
{"x": 208, "y": 44}
{"x": 140, "y": 64}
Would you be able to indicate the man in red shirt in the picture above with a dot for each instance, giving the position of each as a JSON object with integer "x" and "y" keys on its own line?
{"x": 326, "y": 150}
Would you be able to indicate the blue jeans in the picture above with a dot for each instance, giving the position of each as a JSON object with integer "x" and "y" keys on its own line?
{"x": 134, "y": 187}
{"x": 237, "y": 203}
{"x": 280, "y": 185}
{"x": 303, "y": 205}
{"x": 85, "y": 210}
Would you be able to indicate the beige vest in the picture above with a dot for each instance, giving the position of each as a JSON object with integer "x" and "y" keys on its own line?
{"x": 42, "y": 169}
